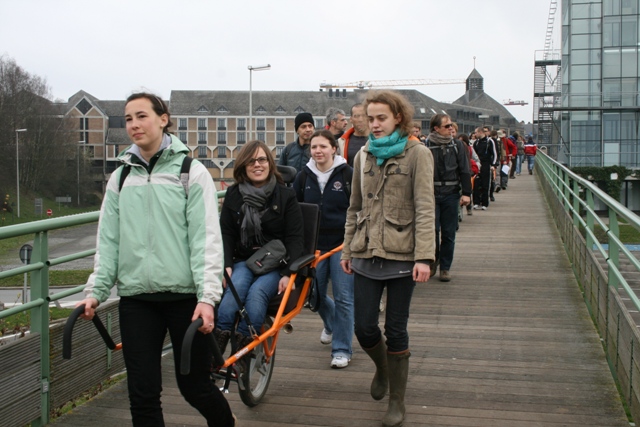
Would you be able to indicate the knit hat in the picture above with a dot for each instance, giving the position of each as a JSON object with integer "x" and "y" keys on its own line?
{"x": 303, "y": 118}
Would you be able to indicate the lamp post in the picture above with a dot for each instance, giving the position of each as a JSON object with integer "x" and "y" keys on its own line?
{"x": 79, "y": 142}
{"x": 251, "y": 70}
{"x": 18, "y": 170}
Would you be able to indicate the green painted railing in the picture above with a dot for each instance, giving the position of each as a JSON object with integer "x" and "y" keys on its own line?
{"x": 607, "y": 272}
{"x": 40, "y": 298}
{"x": 581, "y": 199}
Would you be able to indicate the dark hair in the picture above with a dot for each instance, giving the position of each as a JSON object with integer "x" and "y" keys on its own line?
{"x": 325, "y": 133}
{"x": 359, "y": 104}
{"x": 158, "y": 105}
{"x": 436, "y": 121}
{"x": 245, "y": 154}
{"x": 515, "y": 134}
{"x": 493, "y": 133}
{"x": 464, "y": 138}
{"x": 397, "y": 103}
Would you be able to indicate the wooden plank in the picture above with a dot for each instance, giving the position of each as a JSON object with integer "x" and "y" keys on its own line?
{"x": 508, "y": 342}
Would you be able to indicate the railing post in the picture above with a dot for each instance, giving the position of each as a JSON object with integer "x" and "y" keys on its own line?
{"x": 614, "y": 250}
{"x": 40, "y": 322}
{"x": 590, "y": 218}
{"x": 576, "y": 204}
{"x": 566, "y": 190}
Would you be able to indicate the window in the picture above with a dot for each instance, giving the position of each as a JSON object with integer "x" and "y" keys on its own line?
{"x": 279, "y": 151}
{"x": 84, "y": 125}
{"x": 260, "y": 125}
{"x": 202, "y": 137}
{"x": 202, "y": 124}
{"x": 298, "y": 110}
{"x": 222, "y": 109}
{"x": 182, "y": 124}
{"x": 319, "y": 123}
{"x": 242, "y": 124}
{"x": 203, "y": 109}
{"x": 242, "y": 138}
{"x": 222, "y": 152}
{"x": 261, "y": 136}
{"x": 280, "y": 110}
{"x": 261, "y": 110}
{"x": 279, "y": 124}
{"x": 117, "y": 122}
{"x": 222, "y": 137}
{"x": 182, "y": 136}
{"x": 202, "y": 152}
{"x": 222, "y": 124}
{"x": 279, "y": 137}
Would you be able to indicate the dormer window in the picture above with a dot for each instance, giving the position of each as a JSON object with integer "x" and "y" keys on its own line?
{"x": 222, "y": 109}
{"x": 280, "y": 110}
{"x": 203, "y": 109}
{"x": 261, "y": 110}
{"x": 298, "y": 110}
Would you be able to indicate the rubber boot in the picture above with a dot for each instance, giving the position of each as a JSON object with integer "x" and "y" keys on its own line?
{"x": 380, "y": 381}
{"x": 398, "y": 374}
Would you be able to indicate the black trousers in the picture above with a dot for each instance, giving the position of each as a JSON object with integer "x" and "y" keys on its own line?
{"x": 482, "y": 185}
{"x": 143, "y": 326}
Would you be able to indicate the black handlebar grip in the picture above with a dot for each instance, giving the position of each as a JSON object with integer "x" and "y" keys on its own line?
{"x": 185, "y": 362}
{"x": 68, "y": 331}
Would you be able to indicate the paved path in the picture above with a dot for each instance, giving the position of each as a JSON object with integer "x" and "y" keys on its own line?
{"x": 508, "y": 342}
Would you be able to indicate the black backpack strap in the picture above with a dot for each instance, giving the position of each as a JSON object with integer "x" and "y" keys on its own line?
{"x": 184, "y": 174}
{"x": 123, "y": 175}
{"x": 347, "y": 176}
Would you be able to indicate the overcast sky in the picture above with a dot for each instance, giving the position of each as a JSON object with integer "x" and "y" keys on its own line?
{"x": 113, "y": 48}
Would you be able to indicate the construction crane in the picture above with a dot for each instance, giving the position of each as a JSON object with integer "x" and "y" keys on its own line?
{"x": 512, "y": 102}
{"x": 368, "y": 84}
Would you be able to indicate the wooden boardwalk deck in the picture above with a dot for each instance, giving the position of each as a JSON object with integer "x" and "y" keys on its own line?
{"x": 508, "y": 342}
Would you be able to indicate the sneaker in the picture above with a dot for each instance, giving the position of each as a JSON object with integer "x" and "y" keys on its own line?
{"x": 339, "y": 362}
{"x": 493, "y": 199}
{"x": 433, "y": 268}
{"x": 497, "y": 190}
{"x": 530, "y": 172}
{"x": 445, "y": 276}
{"x": 469, "y": 212}
{"x": 484, "y": 208}
{"x": 476, "y": 207}
{"x": 326, "y": 337}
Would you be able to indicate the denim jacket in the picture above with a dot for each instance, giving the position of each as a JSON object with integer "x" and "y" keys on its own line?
{"x": 392, "y": 210}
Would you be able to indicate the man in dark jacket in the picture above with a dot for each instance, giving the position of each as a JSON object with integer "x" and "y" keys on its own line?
{"x": 451, "y": 174}
{"x": 486, "y": 150}
{"x": 297, "y": 153}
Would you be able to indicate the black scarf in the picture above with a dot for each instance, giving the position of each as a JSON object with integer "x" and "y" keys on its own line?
{"x": 253, "y": 208}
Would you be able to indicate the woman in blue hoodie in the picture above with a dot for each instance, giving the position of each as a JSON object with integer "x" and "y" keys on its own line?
{"x": 326, "y": 181}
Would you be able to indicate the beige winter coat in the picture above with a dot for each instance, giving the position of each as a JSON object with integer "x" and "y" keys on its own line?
{"x": 392, "y": 209}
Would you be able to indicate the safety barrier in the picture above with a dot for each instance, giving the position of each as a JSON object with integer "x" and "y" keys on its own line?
{"x": 605, "y": 271}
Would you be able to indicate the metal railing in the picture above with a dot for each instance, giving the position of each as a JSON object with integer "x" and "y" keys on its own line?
{"x": 40, "y": 297}
{"x": 606, "y": 271}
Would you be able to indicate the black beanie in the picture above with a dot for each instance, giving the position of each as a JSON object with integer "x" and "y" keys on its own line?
{"x": 303, "y": 118}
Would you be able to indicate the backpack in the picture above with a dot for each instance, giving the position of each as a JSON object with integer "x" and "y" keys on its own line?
{"x": 184, "y": 175}
{"x": 347, "y": 184}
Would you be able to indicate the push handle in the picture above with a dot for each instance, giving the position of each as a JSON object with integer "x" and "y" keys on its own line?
{"x": 68, "y": 331}
{"x": 185, "y": 362}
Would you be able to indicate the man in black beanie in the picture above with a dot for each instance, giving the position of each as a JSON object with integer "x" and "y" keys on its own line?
{"x": 297, "y": 153}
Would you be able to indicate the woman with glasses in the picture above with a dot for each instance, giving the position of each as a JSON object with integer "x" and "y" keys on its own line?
{"x": 256, "y": 209}
{"x": 157, "y": 245}
{"x": 389, "y": 240}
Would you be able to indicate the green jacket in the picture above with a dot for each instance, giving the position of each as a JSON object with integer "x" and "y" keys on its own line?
{"x": 152, "y": 238}
{"x": 392, "y": 209}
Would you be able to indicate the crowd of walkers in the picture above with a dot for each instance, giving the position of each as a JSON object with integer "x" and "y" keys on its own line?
{"x": 388, "y": 193}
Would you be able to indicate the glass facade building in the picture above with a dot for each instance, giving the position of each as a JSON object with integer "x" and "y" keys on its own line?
{"x": 599, "y": 104}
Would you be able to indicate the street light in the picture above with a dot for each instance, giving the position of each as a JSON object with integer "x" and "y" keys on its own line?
{"x": 18, "y": 170}
{"x": 79, "y": 142}
{"x": 251, "y": 70}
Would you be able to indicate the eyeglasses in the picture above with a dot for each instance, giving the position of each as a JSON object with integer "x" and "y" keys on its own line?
{"x": 261, "y": 161}
{"x": 448, "y": 126}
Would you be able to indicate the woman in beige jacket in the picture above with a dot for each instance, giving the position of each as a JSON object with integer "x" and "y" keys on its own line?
{"x": 389, "y": 239}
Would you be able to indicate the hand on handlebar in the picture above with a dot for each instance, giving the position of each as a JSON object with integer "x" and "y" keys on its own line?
{"x": 90, "y": 305}
{"x": 283, "y": 283}
{"x": 205, "y": 311}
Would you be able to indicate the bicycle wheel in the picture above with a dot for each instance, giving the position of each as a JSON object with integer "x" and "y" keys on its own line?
{"x": 254, "y": 381}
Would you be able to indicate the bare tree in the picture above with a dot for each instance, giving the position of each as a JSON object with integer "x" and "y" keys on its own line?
{"x": 45, "y": 149}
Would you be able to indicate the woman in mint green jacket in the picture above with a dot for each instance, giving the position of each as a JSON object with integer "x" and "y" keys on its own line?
{"x": 158, "y": 245}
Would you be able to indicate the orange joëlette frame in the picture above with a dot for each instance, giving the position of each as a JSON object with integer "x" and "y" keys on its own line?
{"x": 281, "y": 319}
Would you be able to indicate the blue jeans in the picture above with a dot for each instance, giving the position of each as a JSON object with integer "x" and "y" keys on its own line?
{"x": 337, "y": 316}
{"x": 143, "y": 326}
{"x": 446, "y": 222}
{"x": 367, "y": 294}
{"x": 254, "y": 291}
{"x": 519, "y": 161}
{"x": 530, "y": 162}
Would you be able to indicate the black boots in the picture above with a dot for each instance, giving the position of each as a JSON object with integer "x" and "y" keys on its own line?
{"x": 380, "y": 381}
